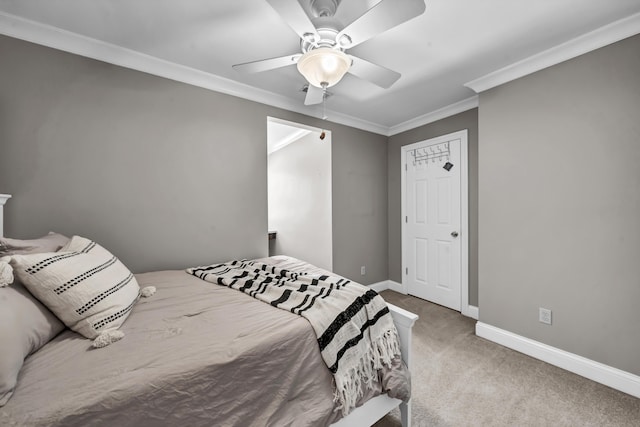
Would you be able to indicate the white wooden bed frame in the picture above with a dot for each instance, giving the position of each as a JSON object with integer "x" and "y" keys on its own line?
{"x": 3, "y": 200}
{"x": 379, "y": 406}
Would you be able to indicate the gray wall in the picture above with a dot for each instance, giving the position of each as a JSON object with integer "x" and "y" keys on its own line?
{"x": 560, "y": 205}
{"x": 299, "y": 177}
{"x": 466, "y": 120}
{"x": 359, "y": 171}
{"x": 163, "y": 174}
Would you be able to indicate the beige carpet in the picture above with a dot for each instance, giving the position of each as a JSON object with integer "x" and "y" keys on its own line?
{"x": 463, "y": 380}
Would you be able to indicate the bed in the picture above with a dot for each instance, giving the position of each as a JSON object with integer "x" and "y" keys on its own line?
{"x": 198, "y": 354}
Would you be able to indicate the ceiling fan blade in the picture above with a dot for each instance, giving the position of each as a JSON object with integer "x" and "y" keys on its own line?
{"x": 267, "y": 64}
{"x": 381, "y": 17}
{"x": 376, "y": 74}
{"x": 315, "y": 95}
{"x": 294, "y": 15}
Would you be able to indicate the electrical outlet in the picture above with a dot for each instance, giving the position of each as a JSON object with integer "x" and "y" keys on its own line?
{"x": 545, "y": 316}
{"x": 362, "y": 270}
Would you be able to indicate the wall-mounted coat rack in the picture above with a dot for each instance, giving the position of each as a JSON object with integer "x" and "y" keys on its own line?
{"x": 433, "y": 153}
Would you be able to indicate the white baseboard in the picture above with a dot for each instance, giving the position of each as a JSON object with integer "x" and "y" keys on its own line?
{"x": 388, "y": 284}
{"x": 470, "y": 311}
{"x": 380, "y": 286}
{"x": 596, "y": 371}
{"x": 397, "y": 287}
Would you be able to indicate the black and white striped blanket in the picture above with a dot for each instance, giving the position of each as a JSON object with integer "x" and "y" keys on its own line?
{"x": 352, "y": 323}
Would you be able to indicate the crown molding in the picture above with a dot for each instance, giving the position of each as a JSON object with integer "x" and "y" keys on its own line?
{"x": 441, "y": 113}
{"x": 593, "y": 40}
{"x": 56, "y": 38}
{"x": 345, "y": 119}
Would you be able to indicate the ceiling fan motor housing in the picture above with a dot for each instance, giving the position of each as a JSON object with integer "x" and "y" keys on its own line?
{"x": 324, "y": 7}
{"x": 327, "y": 39}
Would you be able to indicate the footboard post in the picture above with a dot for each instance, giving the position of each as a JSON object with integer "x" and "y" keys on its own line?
{"x": 404, "y": 321}
{"x": 405, "y": 414}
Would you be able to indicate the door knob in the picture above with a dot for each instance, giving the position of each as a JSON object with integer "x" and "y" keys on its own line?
{"x": 454, "y": 234}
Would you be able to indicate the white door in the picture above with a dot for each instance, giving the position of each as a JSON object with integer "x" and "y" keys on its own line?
{"x": 431, "y": 234}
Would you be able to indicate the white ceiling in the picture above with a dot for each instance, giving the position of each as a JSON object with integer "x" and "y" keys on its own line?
{"x": 452, "y": 43}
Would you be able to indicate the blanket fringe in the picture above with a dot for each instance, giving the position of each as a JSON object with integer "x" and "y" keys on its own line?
{"x": 349, "y": 387}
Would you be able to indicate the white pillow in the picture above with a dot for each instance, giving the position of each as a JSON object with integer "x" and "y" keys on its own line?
{"x": 83, "y": 284}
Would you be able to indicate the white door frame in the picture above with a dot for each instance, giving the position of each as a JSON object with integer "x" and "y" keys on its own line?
{"x": 464, "y": 212}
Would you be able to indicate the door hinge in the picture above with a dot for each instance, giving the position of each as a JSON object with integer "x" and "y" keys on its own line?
{"x": 406, "y": 270}
{"x": 406, "y": 219}
{"x": 405, "y": 167}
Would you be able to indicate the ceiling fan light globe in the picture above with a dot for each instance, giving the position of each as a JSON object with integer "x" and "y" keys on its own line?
{"x": 324, "y": 66}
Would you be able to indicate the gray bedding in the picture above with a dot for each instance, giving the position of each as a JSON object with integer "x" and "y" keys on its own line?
{"x": 194, "y": 354}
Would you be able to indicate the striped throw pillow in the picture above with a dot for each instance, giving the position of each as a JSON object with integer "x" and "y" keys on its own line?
{"x": 83, "y": 284}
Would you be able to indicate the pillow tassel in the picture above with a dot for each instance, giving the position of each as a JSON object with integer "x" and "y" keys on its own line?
{"x": 6, "y": 271}
{"x": 107, "y": 337}
{"x": 148, "y": 291}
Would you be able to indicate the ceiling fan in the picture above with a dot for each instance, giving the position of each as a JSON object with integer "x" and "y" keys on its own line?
{"x": 324, "y": 40}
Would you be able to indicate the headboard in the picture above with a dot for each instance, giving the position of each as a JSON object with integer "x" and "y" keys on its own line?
{"x": 3, "y": 200}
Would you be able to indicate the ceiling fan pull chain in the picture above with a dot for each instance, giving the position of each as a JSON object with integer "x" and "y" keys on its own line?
{"x": 324, "y": 101}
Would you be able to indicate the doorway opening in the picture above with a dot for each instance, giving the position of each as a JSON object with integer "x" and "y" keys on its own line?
{"x": 435, "y": 230}
{"x": 299, "y": 192}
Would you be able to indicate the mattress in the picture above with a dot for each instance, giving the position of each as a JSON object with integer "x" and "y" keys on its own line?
{"x": 194, "y": 354}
